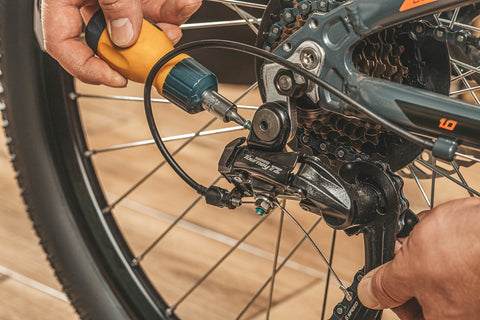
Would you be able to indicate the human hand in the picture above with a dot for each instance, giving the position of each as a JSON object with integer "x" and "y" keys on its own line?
{"x": 62, "y": 22}
{"x": 436, "y": 270}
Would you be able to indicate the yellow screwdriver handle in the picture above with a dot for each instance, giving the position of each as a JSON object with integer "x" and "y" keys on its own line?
{"x": 182, "y": 80}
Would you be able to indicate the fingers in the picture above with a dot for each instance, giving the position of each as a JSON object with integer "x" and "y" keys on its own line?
{"x": 387, "y": 286}
{"x": 172, "y": 31}
{"x": 124, "y": 20}
{"x": 62, "y": 25}
{"x": 170, "y": 11}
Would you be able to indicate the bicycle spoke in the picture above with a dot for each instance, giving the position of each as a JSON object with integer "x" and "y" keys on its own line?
{"x": 454, "y": 18}
{"x": 245, "y": 16}
{"x": 460, "y": 25}
{"x": 434, "y": 180}
{"x": 285, "y": 260}
{"x": 172, "y": 308}
{"x": 166, "y": 139}
{"x": 242, "y": 3}
{"x": 148, "y": 175}
{"x": 213, "y": 24}
{"x": 460, "y": 175}
{"x": 141, "y": 256}
{"x": 113, "y": 97}
{"x": 466, "y": 84}
{"x": 461, "y": 155}
{"x": 417, "y": 181}
{"x": 138, "y": 99}
{"x": 465, "y": 65}
{"x": 342, "y": 287}
{"x": 327, "y": 282}
{"x": 446, "y": 175}
{"x": 275, "y": 260}
{"x": 462, "y": 76}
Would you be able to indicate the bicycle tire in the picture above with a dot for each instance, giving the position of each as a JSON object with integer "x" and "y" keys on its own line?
{"x": 46, "y": 184}
{"x": 63, "y": 200}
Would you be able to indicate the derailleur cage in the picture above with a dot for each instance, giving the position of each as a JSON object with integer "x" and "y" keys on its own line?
{"x": 259, "y": 167}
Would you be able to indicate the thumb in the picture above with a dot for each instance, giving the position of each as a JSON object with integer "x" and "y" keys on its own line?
{"x": 387, "y": 286}
{"x": 124, "y": 20}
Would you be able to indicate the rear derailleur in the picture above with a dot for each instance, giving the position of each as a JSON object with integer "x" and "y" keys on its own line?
{"x": 360, "y": 193}
{"x": 360, "y": 197}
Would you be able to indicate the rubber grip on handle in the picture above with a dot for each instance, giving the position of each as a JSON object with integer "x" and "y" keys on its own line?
{"x": 134, "y": 62}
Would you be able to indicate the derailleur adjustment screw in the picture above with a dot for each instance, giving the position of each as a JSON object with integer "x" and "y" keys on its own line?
{"x": 286, "y": 85}
{"x": 340, "y": 153}
{"x": 263, "y": 205}
{"x": 285, "y": 82}
{"x": 309, "y": 58}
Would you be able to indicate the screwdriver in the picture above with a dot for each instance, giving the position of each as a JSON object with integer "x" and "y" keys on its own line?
{"x": 183, "y": 80}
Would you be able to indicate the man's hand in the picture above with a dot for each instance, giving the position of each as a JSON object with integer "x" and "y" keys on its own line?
{"x": 436, "y": 271}
{"x": 62, "y": 26}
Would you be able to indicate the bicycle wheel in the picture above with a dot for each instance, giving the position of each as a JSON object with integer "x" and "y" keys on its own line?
{"x": 102, "y": 232}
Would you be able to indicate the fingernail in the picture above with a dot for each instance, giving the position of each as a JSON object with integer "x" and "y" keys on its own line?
{"x": 366, "y": 295}
{"x": 121, "y": 31}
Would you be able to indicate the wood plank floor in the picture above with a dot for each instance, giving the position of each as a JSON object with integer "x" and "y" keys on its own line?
{"x": 28, "y": 289}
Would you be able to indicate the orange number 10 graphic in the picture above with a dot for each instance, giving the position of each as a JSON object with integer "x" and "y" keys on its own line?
{"x": 447, "y": 124}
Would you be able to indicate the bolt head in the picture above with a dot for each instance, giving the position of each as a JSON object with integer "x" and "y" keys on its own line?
{"x": 340, "y": 153}
{"x": 323, "y": 146}
{"x": 275, "y": 30}
{"x": 339, "y": 310}
{"x": 285, "y": 82}
{"x": 304, "y": 7}
{"x": 309, "y": 58}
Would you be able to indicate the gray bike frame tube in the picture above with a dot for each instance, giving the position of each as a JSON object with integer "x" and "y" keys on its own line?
{"x": 419, "y": 110}
{"x": 380, "y": 14}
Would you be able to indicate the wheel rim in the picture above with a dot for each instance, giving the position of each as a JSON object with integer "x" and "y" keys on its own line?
{"x": 123, "y": 201}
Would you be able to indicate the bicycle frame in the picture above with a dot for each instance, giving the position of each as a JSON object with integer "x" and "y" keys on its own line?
{"x": 420, "y": 111}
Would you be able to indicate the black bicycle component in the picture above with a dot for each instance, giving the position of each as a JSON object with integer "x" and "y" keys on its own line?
{"x": 407, "y": 221}
{"x": 270, "y": 127}
{"x": 221, "y": 197}
{"x": 358, "y": 195}
{"x": 352, "y": 308}
{"x": 287, "y": 85}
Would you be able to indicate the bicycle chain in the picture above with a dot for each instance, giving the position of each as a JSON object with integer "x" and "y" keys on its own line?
{"x": 323, "y": 131}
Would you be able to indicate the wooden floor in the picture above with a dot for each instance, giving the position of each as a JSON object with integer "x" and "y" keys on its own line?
{"x": 28, "y": 289}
